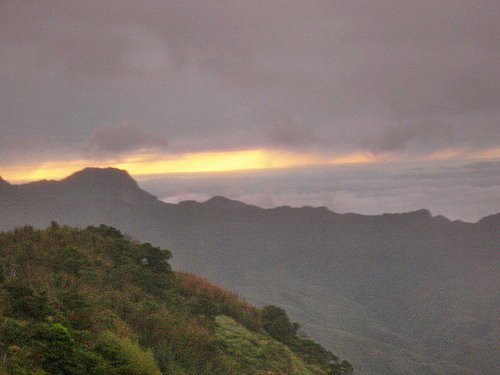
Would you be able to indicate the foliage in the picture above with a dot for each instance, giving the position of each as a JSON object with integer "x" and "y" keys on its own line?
{"x": 277, "y": 323}
{"x": 94, "y": 302}
{"x": 252, "y": 351}
{"x": 217, "y": 301}
{"x": 24, "y": 302}
{"x": 125, "y": 357}
{"x": 344, "y": 368}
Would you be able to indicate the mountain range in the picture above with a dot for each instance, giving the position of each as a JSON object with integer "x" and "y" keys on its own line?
{"x": 407, "y": 293}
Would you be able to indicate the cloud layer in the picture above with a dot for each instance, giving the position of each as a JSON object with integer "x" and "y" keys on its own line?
{"x": 467, "y": 192}
{"x": 412, "y": 77}
{"x": 117, "y": 139}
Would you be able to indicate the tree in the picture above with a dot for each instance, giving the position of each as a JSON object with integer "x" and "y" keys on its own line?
{"x": 277, "y": 324}
{"x": 25, "y": 303}
{"x": 57, "y": 349}
{"x": 344, "y": 368}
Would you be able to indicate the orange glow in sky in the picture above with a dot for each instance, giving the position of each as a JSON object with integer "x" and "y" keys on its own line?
{"x": 201, "y": 162}
{"x": 206, "y": 162}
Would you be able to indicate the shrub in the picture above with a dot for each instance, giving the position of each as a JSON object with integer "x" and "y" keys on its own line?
{"x": 277, "y": 324}
{"x": 25, "y": 303}
{"x": 57, "y": 350}
{"x": 124, "y": 356}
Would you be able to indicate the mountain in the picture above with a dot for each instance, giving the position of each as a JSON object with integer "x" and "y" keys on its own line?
{"x": 4, "y": 185}
{"x": 402, "y": 293}
{"x": 91, "y": 302}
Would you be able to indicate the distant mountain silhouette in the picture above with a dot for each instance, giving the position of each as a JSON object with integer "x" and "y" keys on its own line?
{"x": 5, "y": 187}
{"x": 111, "y": 177}
{"x": 491, "y": 220}
{"x": 106, "y": 183}
{"x": 398, "y": 294}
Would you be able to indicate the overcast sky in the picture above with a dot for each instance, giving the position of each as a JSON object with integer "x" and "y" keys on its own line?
{"x": 100, "y": 80}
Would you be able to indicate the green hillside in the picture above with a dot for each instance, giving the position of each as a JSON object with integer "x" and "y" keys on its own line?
{"x": 95, "y": 302}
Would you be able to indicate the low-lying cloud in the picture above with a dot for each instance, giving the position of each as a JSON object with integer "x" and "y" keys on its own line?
{"x": 117, "y": 139}
{"x": 466, "y": 192}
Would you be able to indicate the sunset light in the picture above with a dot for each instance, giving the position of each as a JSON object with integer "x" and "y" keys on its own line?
{"x": 202, "y": 162}
{"x": 143, "y": 165}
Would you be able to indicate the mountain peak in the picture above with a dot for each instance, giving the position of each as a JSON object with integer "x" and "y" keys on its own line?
{"x": 108, "y": 183}
{"x": 422, "y": 213}
{"x": 492, "y": 221}
{"x": 223, "y": 202}
{"x": 418, "y": 214}
{"x": 109, "y": 176}
{"x": 4, "y": 184}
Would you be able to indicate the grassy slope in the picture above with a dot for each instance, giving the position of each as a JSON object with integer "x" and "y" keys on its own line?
{"x": 93, "y": 302}
{"x": 251, "y": 351}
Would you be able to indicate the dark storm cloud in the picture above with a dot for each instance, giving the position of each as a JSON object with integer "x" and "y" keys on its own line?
{"x": 404, "y": 76}
{"x": 117, "y": 139}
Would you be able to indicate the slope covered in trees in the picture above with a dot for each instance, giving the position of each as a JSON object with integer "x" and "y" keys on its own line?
{"x": 94, "y": 302}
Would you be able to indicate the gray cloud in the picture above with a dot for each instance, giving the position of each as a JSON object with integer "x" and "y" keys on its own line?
{"x": 117, "y": 139}
{"x": 412, "y": 76}
{"x": 289, "y": 132}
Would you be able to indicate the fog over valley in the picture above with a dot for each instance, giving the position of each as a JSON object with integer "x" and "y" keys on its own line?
{"x": 459, "y": 192}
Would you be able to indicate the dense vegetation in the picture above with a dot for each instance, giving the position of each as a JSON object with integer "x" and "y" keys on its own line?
{"x": 94, "y": 302}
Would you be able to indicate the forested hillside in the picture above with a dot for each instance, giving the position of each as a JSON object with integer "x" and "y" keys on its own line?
{"x": 92, "y": 301}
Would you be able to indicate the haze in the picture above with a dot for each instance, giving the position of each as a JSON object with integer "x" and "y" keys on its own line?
{"x": 360, "y": 106}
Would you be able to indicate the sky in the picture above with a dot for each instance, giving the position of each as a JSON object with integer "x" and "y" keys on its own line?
{"x": 292, "y": 94}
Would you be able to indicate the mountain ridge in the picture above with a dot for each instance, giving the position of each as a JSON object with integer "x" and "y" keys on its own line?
{"x": 366, "y": 286}
{"x": 92, "y": 177}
